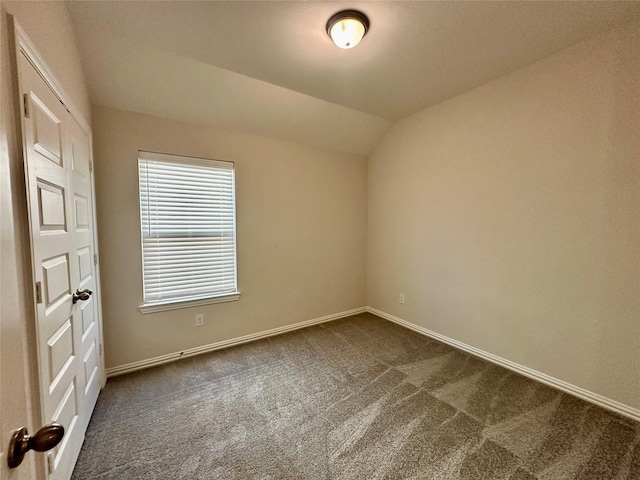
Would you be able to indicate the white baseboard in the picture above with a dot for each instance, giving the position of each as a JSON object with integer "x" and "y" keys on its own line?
{"x": 587, "y": 395}
{"x": 190, "y": 352}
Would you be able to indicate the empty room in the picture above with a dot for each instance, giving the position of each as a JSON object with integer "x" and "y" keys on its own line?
{"x": 320, "y": 240}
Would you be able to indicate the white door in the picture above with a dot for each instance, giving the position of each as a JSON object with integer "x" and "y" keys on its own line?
{"x": 59, "y": 191}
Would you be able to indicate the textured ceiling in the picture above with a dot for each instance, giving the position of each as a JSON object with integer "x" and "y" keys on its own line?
{"x": 269, "y": 67}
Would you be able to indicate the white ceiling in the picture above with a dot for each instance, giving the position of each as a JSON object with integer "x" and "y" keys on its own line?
{"x": 268, "y": 67}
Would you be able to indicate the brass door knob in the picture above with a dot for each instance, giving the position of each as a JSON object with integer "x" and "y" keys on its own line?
{"x": 44, "y": 439}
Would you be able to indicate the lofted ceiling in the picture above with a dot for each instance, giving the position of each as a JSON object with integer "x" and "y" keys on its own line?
{"x": 268, "y": 67}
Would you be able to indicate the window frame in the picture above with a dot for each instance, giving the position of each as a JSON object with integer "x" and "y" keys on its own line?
{"x": 173, "y": 303}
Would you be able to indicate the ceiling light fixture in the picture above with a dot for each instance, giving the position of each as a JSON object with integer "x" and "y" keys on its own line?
{"x": 347, "y": 28}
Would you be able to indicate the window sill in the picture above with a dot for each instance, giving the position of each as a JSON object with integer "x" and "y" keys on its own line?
{"x": 176, "y": 304}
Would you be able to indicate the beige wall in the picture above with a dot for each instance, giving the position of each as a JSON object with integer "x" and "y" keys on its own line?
{"x": 48, "y": 25}
{"x": 509, "y": 216}
{"x": 301, "y": 221}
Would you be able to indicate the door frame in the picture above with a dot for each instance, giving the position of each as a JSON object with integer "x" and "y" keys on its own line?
{"x": 23, "y": 45}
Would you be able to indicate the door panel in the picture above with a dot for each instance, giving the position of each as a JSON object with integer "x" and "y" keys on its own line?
{"x": 85, "y": 314}
{"x": 60, "y": 211}
{"x": 53, "y": 242}
{"x": 52, "y": 207}
{"x": 57, "y": 282}
{"x": 82, "y": 212}
{"x": 47, "y": 137}
{"x": 60, "y": 350}
{"x": 62, "y": 459}
{"x": 84, "y": 263}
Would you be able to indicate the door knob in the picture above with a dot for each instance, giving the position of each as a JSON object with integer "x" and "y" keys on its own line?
{"x": 44, "y": 439}
{"x": 81, "y": 295}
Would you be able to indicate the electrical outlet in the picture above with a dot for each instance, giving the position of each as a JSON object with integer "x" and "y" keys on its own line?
{"x": 199, "y": 319}
{"x": 401, "y": 297}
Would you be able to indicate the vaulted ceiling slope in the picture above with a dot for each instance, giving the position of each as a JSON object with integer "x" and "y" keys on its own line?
{"x": 268, "y": 67}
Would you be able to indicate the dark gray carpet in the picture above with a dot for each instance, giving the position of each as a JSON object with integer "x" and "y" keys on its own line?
{"x": 357, "y": 398}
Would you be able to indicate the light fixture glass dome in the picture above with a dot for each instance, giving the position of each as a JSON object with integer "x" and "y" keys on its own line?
{"x": 347, "y": 28}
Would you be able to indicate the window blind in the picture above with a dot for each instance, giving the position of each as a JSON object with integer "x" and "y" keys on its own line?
{"x": 187, "y": 213}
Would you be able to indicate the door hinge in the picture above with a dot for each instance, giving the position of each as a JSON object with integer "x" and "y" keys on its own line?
{"x": 38, "y": 292}
{"x": 90, "y": 166}
{"x": 26, "y": 105}
{"x": 100, "y": 349}
{"x": 95, "y": 259}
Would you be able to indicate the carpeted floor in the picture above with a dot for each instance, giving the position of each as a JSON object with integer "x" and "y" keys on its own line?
{"x": 357, "y": 398}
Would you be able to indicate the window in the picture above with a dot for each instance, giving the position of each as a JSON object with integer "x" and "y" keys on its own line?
{"x": 187, "y": 215}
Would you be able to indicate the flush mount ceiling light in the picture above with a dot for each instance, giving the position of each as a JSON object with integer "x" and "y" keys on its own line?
{"x": 347, "y": 28}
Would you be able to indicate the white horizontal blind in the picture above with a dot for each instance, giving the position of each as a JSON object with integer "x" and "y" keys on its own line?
{"x": 187, "y": 213}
